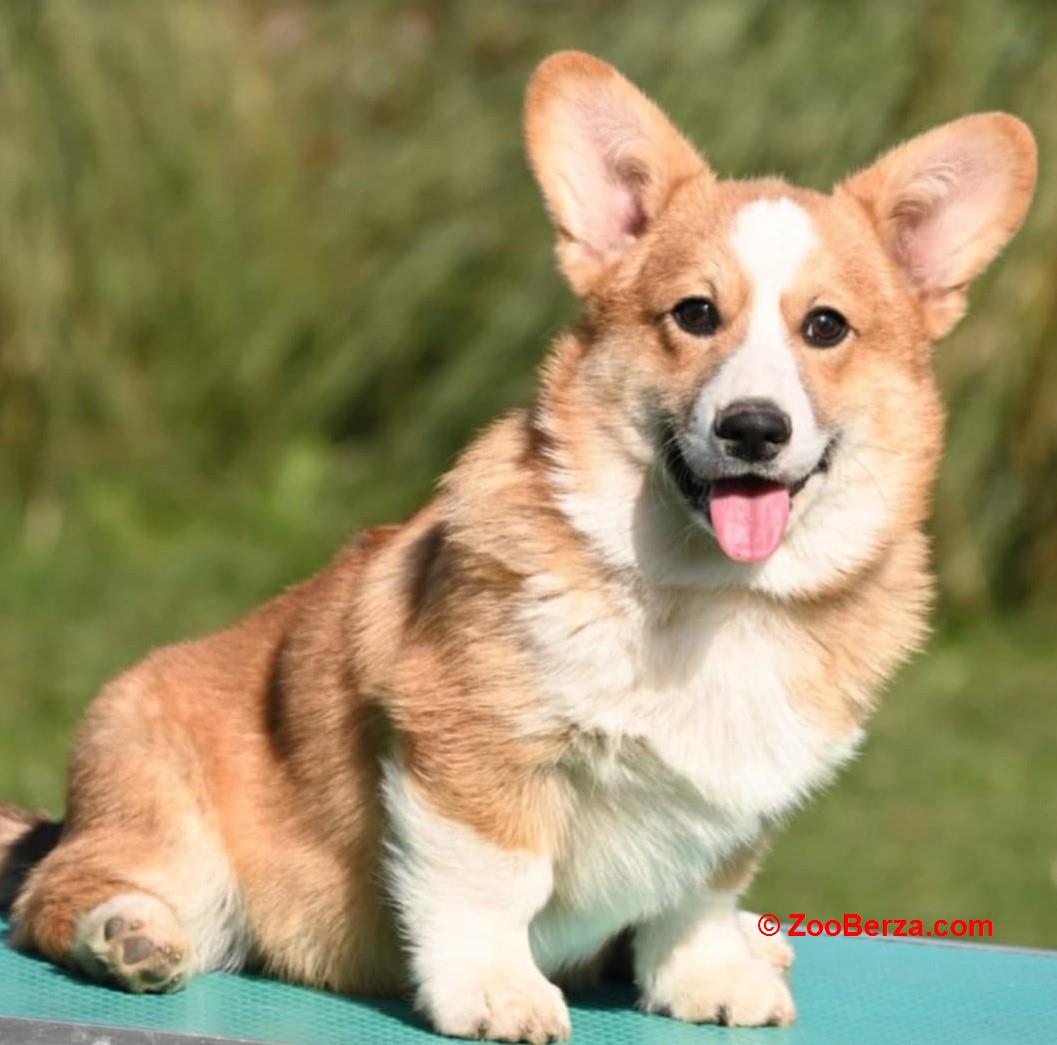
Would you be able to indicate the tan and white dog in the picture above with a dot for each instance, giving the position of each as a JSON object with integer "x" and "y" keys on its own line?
{"x": 571, "y": 699}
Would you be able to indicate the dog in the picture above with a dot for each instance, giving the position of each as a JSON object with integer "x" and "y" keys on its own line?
{"x": 572, "y": 699}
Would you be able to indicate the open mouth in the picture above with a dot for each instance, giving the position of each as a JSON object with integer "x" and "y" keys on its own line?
{"x": 748, "y": 514}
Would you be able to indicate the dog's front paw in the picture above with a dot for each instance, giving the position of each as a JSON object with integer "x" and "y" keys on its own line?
{"x": 741, "y": 992}
{"x": 499, "y": 1005}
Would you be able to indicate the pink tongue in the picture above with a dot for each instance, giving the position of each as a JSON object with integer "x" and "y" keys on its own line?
{"x": 749, "y": 517}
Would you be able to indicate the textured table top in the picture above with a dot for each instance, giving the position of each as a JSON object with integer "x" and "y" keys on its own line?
{"x": 859, "y": 991}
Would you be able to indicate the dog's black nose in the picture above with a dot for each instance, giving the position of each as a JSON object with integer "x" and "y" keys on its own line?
{"x": 753, "y": 429}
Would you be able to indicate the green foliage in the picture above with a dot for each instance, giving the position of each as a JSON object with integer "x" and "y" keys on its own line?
{"x": 267, "y": 266}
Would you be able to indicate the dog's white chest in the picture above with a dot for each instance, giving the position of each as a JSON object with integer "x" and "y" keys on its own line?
{"x": 704, "y": 680}
{"x": 639, "y": 837}
{"x": 692, "y": 740}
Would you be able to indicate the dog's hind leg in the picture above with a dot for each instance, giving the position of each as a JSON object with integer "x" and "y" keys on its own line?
{"x": 103, "y": 925}
{"x": 118, "y": 907}
{"x": 138, "y": 891}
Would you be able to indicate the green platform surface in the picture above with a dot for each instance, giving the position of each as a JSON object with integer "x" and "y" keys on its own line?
{"x": 863, "y": 992}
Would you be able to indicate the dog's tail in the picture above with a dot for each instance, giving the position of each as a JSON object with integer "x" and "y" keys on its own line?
{"x": 25, "y": 839}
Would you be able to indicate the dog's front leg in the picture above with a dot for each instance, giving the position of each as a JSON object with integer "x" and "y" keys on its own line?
{"x": 697, "y": 962}
{"x": 465, "y": 904}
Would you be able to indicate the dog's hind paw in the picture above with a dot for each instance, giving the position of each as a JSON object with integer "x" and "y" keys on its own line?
{"x": 134, "y": 941}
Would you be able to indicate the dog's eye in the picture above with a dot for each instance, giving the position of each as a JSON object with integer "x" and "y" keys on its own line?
{"x": 824, "y": 327}
{"x": 697, "y": 316}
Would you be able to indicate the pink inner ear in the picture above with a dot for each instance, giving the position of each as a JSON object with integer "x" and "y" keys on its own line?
{"x": 943, "y": 217}
{"x": 600, "y": 182}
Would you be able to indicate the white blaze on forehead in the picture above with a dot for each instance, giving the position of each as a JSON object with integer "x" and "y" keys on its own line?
{"x": 771, "y": 240}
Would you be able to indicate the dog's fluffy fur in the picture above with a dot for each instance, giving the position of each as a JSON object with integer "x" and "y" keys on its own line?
{"x": 548, "y": 710}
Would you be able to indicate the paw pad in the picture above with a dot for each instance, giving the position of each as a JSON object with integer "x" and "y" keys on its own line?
{"x": 142, "y": 948}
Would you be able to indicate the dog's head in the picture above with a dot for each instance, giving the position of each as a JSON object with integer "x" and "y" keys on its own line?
{"x": 754, "y": 366}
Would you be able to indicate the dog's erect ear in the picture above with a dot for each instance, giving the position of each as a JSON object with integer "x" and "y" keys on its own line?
{"x": 946, "y": 202}
{"x": 607, "y": 160}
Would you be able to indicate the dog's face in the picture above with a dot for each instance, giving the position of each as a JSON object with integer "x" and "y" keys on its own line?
{"x": 758, "y": 356}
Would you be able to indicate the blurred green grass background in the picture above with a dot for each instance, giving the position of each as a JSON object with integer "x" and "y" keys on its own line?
{"x": 267, "y": 266}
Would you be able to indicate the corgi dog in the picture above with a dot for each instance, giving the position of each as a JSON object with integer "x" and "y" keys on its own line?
{"x": 573, "y": 698}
